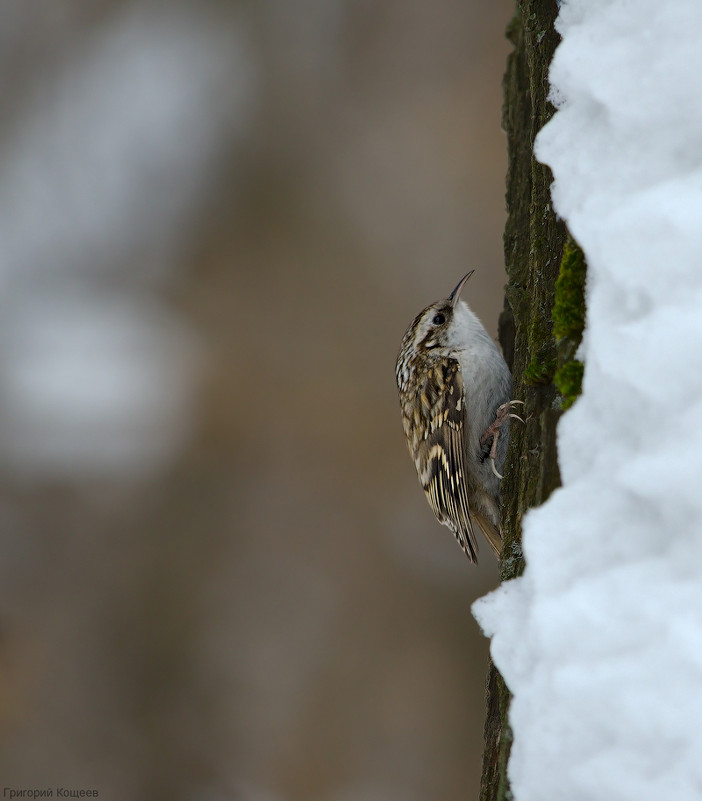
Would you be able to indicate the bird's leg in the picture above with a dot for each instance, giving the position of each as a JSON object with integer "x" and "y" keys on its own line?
{"x": 503, "y": 413}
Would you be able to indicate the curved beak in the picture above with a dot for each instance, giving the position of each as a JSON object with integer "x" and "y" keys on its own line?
{"x": 454, "y": 296}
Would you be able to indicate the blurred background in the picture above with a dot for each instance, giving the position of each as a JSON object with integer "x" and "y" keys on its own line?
{"x": 219, "y": 578}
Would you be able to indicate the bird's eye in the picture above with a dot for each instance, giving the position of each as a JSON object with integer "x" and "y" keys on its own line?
{"x": 439, "y": 319}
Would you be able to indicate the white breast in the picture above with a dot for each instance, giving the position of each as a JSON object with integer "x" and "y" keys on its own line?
{"x": 486, "y": 377}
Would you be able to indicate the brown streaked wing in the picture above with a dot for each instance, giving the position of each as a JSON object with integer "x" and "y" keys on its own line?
{"x": 440, "y": 458}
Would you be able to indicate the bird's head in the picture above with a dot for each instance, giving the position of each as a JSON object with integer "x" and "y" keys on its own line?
{"x": 437, "y": 328}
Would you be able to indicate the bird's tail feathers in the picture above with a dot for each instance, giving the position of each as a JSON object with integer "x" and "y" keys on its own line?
{"x": 491, "y": 533}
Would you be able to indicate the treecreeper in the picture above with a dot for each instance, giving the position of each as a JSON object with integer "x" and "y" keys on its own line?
{"x": 456, "y": 400}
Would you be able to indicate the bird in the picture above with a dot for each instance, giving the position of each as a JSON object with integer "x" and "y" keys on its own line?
{"x": 455, "y": 393}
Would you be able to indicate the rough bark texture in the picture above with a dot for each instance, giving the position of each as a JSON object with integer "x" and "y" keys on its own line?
{"x": 534, "y": 241}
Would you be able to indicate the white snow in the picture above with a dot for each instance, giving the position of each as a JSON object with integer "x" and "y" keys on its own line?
{"x": 601, "y": 639}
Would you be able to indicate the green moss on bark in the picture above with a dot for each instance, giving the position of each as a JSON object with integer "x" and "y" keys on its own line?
{"x": 569, "y": 304}
{"x": 540, "y": 370}
{"x": 569, "y": 322}
{"x": 569, "y": 381}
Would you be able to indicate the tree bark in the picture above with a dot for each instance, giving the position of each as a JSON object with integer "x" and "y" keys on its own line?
{"x": 534, "y": 241}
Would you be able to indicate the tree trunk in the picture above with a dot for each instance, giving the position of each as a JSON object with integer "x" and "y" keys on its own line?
{"x": 534, "y": 244}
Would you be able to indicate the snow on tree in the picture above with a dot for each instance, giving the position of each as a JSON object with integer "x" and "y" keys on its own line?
{"x": 600, "y": 639}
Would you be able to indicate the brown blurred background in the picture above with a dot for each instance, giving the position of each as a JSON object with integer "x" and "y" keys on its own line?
{"x": 219, "y": 578}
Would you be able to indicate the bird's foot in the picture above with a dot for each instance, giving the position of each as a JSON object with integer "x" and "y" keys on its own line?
{"x": 502, "y": 415}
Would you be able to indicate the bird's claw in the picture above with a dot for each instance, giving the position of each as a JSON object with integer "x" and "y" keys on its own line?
{"x": 502, "y": 414}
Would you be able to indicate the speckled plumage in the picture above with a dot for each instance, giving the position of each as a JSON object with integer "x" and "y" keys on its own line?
{"x": 452, "y": 379}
